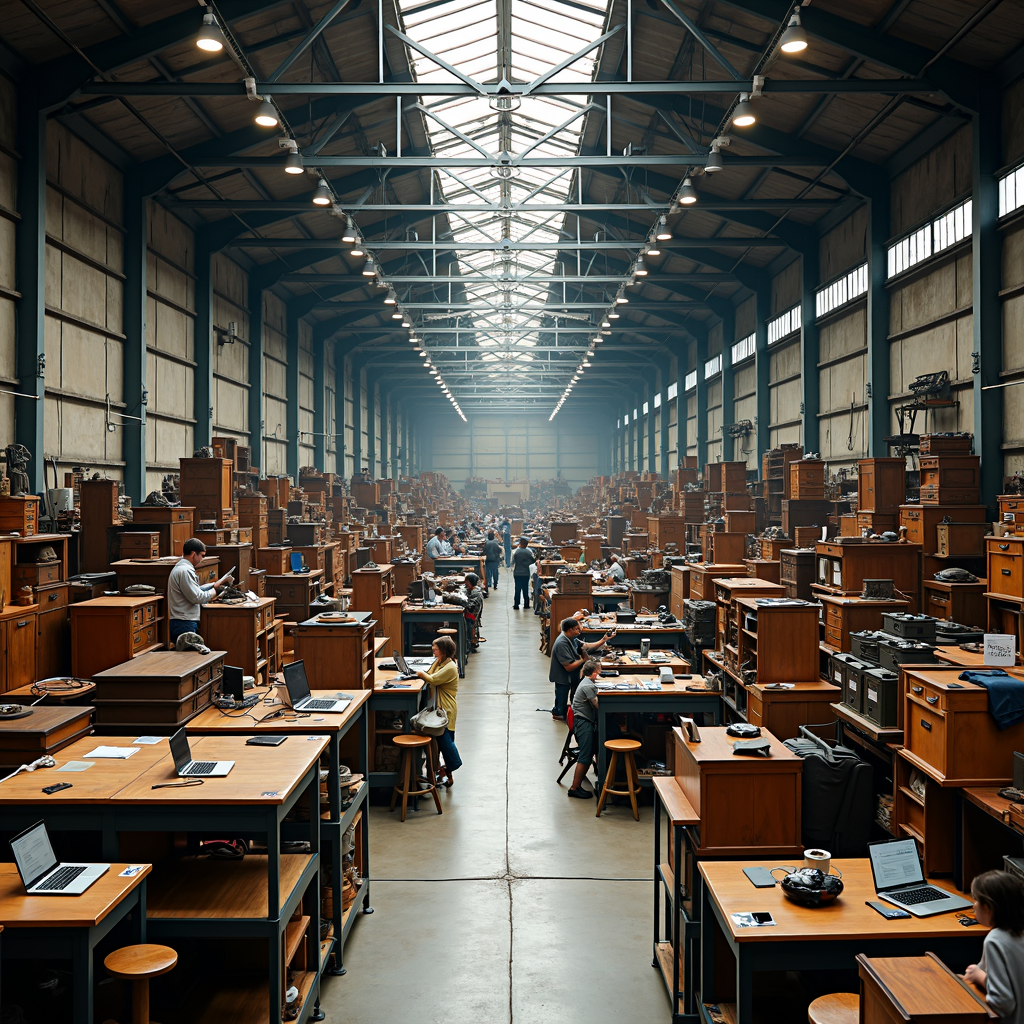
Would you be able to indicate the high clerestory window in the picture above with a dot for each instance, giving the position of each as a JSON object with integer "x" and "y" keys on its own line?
{"x": 744, "y": 349}
{"x": 841, "y": 291}
{"x": 944, "y": 231}
{"x": 784, "y": 325}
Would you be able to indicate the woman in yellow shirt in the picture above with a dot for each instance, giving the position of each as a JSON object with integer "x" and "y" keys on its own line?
{"x": 443, "y": 679}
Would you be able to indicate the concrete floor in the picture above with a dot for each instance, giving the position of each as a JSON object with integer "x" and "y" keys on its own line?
{"x": 516, "y": 904}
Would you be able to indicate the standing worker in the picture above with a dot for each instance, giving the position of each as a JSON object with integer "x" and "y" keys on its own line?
{"x": 184, "y": 593}
{"x": 522, "y": 559}
{"x": 492, "y": 560}
{"x": 506, "y": 540}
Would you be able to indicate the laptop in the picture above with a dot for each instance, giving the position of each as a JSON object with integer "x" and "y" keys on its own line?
{"x": 186, "y": 767}
{"x": 405, "y": 671}
{"x": 295, "y": 692}
{"x": 40, "y": 870}
{"x": 232, "y": 688}
{"x": 896, "y": 869}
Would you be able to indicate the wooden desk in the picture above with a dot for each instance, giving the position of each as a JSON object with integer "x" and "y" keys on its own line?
{"x": 65, "y": 928}
{"x": 965, "y": 659}
{"x": 803, "y": 938}
{"x": 445, "y": 616}
{"x": 670, "y": 699}
{"x": 406, "y": 699}
{"x": 48, "y": 698}
{"x": 661, "y": 637}
{"x": 633, "y": 664}
{"x": 985, "y": 834}
{"x": 45, "y": 731}
{"x": 333, "y": 826}
{"x": 607, "y": 599}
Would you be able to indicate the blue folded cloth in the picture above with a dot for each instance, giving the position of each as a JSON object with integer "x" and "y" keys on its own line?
{"x": 1005, "y": 694}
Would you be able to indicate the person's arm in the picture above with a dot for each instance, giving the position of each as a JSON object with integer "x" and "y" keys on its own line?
{"x": 443, "y": 674}
{"x": 191, "y": 591}
{"x": 998, "y": 982}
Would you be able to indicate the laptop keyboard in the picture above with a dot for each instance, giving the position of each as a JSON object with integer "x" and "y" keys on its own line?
{"x": 316, "y": 704}
{"x": 62, "y": 877}
{"x": 201, "y": 767}
{"x": 925, "y": 895}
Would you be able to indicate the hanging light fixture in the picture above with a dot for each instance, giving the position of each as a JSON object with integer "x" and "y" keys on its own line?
{"x": 266, "y": 115}
{"x": 350, "y": 231}
{"x": 613, "y": 316}
{"x": 293, "y": 161}
{"x": 663, "y": 234}
{"x": 621, "y": 299}
{"x": 369, "y": 270}
{"x": 356, "y": 251}
{"x": 606, "y": 323}
{"x": 322, "y": 194}
{"x": 687, "y": 194}
{"x": 210, "y": 37}
{"x": 713, "y": 164}
{"x": 744, "y": 116}
{"x": 794, "y": 39}
{"x": 390, "y": 299}
{"x": 640, "y": 269}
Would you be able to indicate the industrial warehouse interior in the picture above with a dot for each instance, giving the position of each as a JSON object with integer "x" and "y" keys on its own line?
{"x": 511, "y": 511}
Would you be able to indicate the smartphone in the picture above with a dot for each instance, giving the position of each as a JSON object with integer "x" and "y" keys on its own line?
{"x": 57, "y": 787}
{"x": 234, "y": 569}
{"x": 892, "y": 913}
{"x": 760, "y": 877}
{"x": 762, "y": 917}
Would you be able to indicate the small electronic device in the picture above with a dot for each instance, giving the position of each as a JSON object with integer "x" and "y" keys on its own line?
{"x": 56, "y": 787}
{"x": 891, "y": 913}
{"x": 232, "y": 689}
{"x": 760, "y": 877}
{"x": 40, "y": 871}
{"x": 187, "y": 768}
{"x": 896, "y": 869}
{"x": 403, "y": 666}
{"x": 265, "y": 741}
{"x": 295, "y": 693}
{"x": 296, "y": 561}
{"x": 762, "y": 917}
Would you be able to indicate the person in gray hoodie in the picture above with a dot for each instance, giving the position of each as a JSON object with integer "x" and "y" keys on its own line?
{"x": 999, "y": 905}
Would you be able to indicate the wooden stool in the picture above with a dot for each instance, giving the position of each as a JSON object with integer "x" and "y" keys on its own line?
{"x": 408, "y": 743}
{"x": 627, "y": 748}
{"x": 138, "y": 964}
{"x": 835, "y": 1008}
{"x": 448, "y": 631}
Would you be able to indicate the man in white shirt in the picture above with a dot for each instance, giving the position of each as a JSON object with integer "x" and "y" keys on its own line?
{"x": 615, "y": 573}
{"x": 435, "y": 546}
{"x": 184, "y": 593}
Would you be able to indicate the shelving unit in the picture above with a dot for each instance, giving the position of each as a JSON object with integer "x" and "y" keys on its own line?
{"x": 249, "y": 634}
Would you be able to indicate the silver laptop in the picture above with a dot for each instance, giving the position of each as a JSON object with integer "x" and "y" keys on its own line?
{"x": 896, "y": 869}
{"x": 404, "y": 669}
{"x": 295, "y": 693}
{"x": 187, "y": 768}
{"x": 40, "y": 870}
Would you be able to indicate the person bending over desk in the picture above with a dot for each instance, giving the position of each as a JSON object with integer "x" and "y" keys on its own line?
{"x": 999, "y": 905}
{"x": 443, "y": 679}
{"x": 567, "y": 657}
{"x": 615, "y": 573}
{"x": 584, "y": 727}
{"x": 184, "y": 593}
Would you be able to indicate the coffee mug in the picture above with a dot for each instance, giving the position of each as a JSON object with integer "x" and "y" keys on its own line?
{"x": 820, "y": 859}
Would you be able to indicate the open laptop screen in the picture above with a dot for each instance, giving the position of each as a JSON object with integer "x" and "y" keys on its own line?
{"x": 296, "y": 681}
{"x": 895, "y": 864}
{"x": 403, "y": 665}
{"x": 179, "y": 749}
{"x": 33, "y": 854}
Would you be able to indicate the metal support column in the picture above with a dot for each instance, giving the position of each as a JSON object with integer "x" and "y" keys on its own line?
{"x": 30, "y": 252}
{"x": 702, "y": 400}
{"x": 339, "y": 414}
{"x": 321, "y": 428}
{"x": 809, "y": 348}
{"x": 133, "y": 350}
{"x": 291, "y": 389}
{"x": 393, "y": 433}
{"x": 650, "y": 390}
{"x": 878, "y": 373}
{"x": 663, "y": 376}
{"x": 257, "y": 372}
{"x": 202, "y": 346}
{"x": 987, "y": 257}
{"x": 762, "y": 365}
{"x": 371, "y": 422}
{"x": 385, "y": 422}
{"x": 357, "y": 415}
{"x": 682, "y": 442}
{"x": 728, "y": 382}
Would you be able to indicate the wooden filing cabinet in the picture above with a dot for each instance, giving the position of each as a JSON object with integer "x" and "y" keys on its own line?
{"x": 763, "y": 569}
{"x": 881, "y": 485}
{"x": 702, "y": 577}
{"x": 404, "y": 573}
{"x": 727, "y": 589}
{"x": 958, "y": 602}
{"x": 725, "y": 547}
{"x": 841, "y": 568}
{"x": 274, "y": 560}
{"x": 844, "y": 615}
{"x": 1005, "y": 556}
{"x": 807, "y": 480}
{"x": 334, "y": 567}
{"x": 136, "y": 544}
{"x": 725, "y": 476}
{"x": 796, "y": 571}
{"x": 21, "y": 514}
{"x": 381, "y": 549}
{"x": 247, "y": 633}
{"x": 923, "y": 810}
{"x": 295, "y": 593}
{"x": 664, "y": 530}
{"x": 370, "y": 590}
{"x": 173, "y": 524}
{"x": 53, "y": 629}
{"x": 236, "y": 556}
{"x": 778, "y": 643}
{"x": 950, "y": 479}
{"x": 412, "y": 535}
{"x": 18, "y": 636}
{"x": 159, "y": 692}
{"x": 949, "y": 734}
{"x": 312, "y": 555}
{"x": 680, "y": 575}
{"x": 337, "y": 655}
{"x": 563, "y": 532}
{"x": 99, "y": 511}
{"x": 922, "y": 522}
{"x": 46, "y": 731}
{"x": 109, "y": 630}
{"x": 748, "y": 807}
{"x": 206, "y": 485}
{"x": 1012, "y": 505}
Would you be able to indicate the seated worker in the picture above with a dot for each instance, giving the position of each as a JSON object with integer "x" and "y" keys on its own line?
{"x": 584, "y": 727}
{"x": 492, "y": 559}
{"x": 474, "y": 610}
{"x": 615, "y": 573}
{"x": 567, "y": 657}
{"x": 434, "y": 545}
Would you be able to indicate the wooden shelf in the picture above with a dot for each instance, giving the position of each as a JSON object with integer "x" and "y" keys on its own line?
{"x": 663, "y": 954}
{"x": 234, "y": 998}
{"x": 871, "y": 729}
{"x": 911, "y": 795}
{"x": 293, "y": 936}
{"x": 911, "y": 831}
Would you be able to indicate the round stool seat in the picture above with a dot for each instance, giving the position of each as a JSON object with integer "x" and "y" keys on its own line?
{"x": 621, "y": 746}
{"x": 145, "y": 961}
{"x": 835, "y": 1008}
{"x": 411, "y": 740}
{"x": 448, "y": 631}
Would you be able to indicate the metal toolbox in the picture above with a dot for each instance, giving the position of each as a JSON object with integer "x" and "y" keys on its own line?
{"x": 864, "y": 645}
{"x": 909, "y": 627}
{"x": 848, "y": 672}
{"x": 881, "y": 696}
{"x": 893, "y": 652}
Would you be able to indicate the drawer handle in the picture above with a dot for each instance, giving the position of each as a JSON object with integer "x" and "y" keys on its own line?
{"x": 53, "y": 597}
{"x": 918, "y": 689}
{"x": 1005, "y": 572}
{"x": 927, "y": 726}
{"x": 23, "y": 623}
{"x": 932, "y": 700}
{"x": 1004, "y": 547}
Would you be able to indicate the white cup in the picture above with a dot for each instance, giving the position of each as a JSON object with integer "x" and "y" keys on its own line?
{"x": 820, "y": 859}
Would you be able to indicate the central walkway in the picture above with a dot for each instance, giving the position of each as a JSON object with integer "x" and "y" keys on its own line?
{"x": 516, "y": 904}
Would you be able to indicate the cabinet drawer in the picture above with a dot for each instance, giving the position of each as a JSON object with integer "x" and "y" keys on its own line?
{"x": 925, "y": 733}
{"x": 834, "y": 636}
{"x": 143, "y": 638}
{"x": 936, "y": 603}
{"x": 35, "y": 574}
{"x": 1005, "y": 574}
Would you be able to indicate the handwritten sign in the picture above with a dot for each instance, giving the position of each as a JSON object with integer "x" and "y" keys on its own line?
{"x": 1000, "y": 649}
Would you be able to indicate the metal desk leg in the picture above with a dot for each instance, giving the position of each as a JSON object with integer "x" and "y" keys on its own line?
{"x": 707, "y": 947}
{"x": 275, "y": 951}
{"x": 82, "y": 983}
{"x": 678, "y": 937}
{"x": 744, "y": 986}
{"x": 657, "y": 881}
{"x": 333, "y": 777}
{"x": 602, "y": 753}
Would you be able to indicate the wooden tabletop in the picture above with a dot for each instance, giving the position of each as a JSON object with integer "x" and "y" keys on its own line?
{"x": 382, "y": 676}
{"x": 161, "y": 665}
{"x": 85, "y": 911}
{"x": 29, "y": 694}
{"x": 846, "y": 918}
{"x": 989, "y": 800}
{"x": 215, "y": 720}
{"x": 418, "y": 609}
{"x": 952, "y": 655}
{"x": 94, "y": 785}
{"x": 679, "y": 666}
{"x": 43, "y": 721}
{"x": 667, "y": 689}
{"x": 261, "y": 775}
